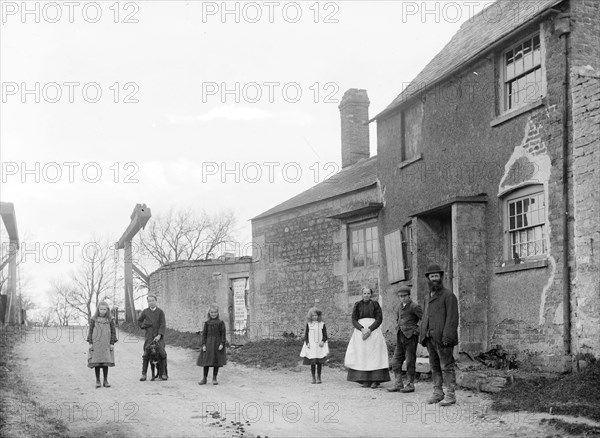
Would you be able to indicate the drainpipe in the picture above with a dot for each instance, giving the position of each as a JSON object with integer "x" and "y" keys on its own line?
{"x": 562, "y": 26}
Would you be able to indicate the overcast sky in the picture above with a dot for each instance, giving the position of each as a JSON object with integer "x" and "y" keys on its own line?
{"x": 175, "y": 104}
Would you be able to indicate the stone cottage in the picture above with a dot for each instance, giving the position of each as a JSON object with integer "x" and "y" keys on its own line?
{"x": 488, "y": 164}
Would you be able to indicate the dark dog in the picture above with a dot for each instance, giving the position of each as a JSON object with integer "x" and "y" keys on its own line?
{"x": 158, "y": 364}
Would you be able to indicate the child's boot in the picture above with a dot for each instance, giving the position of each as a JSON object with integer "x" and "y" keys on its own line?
{"x": 215, "y": 381}
{"x": 106, "y": 384}
{"x": 202, "y": 382}
{"x": 98, "y": 384}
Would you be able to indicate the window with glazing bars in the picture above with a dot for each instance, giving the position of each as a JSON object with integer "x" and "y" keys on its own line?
{"x": 364, "y": 244}
{"x": 526, "y": 223}
{"x": 523, "y": 81}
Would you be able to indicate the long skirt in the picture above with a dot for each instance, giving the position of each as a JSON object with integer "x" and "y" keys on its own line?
{"x": 367, "y": 360}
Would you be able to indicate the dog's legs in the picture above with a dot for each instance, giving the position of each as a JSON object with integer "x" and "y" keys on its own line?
{"x": 152, "y": 370}
{"x": 145, "y": 361}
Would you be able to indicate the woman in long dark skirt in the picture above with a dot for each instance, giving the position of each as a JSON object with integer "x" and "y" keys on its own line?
{"x": 213, "y": 345}
{"x": 367, "y": 356}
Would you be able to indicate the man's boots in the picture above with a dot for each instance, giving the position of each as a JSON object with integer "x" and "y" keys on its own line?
{"x": 145, "y": 362}
{"x": 449, "y": 398}
{"x": 450, "y": 383}
{"x": 398, "y": 384}
{"x": 410, "y": 386}
{"x": 438, "y": 396}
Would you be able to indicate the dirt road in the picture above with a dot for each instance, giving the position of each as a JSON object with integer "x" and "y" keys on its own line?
{"x": 248, "y": 402}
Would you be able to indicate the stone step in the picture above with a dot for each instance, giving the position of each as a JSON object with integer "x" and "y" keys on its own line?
{"x": 422, "y": 365}
{"x": 480, "y": 381}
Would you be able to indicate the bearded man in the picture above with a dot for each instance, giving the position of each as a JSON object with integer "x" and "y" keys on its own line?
{"x": 439, "y": 333}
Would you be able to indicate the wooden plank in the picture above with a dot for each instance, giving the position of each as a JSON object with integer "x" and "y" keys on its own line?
{"x": 394, "y": 256}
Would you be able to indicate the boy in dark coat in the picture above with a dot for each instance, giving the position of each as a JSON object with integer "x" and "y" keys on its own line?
{"x": 153, "y": 321}
{"x": 408, "y": 315}
{"x": 439, "y": 333}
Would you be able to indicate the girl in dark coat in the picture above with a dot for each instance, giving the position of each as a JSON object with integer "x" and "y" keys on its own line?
{"x": 102, "y": 337}
{"x": 213, "y": 345}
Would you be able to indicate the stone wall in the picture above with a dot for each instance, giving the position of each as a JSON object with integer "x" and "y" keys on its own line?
{"x": 185, "y": 289}
{"x": 586, "y": 180}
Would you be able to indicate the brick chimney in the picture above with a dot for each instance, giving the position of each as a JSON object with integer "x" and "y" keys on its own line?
{"x": 354, "y": 113}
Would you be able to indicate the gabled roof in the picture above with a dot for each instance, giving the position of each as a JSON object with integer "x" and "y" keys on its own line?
{"x": 357, "y": 176}
{"x": 474, "y": 37}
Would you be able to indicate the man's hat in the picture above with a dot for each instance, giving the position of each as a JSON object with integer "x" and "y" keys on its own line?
{"x": 403, "y": 290}
{"x": 433, "y": 269}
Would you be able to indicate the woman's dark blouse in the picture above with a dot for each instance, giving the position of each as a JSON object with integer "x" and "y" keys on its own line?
{"x": 369, "y": 309}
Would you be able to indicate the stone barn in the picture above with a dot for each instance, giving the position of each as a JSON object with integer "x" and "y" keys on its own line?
{"x": 187, "y": 288}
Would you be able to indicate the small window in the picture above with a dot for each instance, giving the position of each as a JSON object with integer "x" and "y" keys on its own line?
{"x": 522, "y": 73}
{"x": 411, "y": 131}
{"x": 526, "y": 224}
{"x": 364, "y": 245}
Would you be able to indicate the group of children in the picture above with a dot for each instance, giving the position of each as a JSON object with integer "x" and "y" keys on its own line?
{"x": 102, "y": 337}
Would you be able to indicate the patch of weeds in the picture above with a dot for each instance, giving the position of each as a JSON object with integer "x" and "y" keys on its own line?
{"x": 172, "y": 337}
{"x": 578, "y": 429}
{"x": 282, "y": 353}
{"x": 570, "y": 394}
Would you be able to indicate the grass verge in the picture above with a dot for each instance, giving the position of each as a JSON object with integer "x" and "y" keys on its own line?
{"x": 172, "y": 337}
{"x": 20, "y": 416}
{"x": 576, "y": 394}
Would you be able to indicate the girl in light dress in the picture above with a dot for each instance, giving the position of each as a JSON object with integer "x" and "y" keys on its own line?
{"x": 315, "y": 348}
{"x": 102, "y": 337}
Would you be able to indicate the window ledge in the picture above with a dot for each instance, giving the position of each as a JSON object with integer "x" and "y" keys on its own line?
{"x": 517, "y": 112}
{"x": 524, "y": 266}
{"x": 409, "y": 162}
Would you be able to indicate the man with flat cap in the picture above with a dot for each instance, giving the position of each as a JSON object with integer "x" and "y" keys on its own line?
{"x": 408, "y": 314}
{"x": 439, "y": 333}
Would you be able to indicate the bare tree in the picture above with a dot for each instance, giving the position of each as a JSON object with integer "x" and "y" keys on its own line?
{"x": 61, "y": 309}
{"x": 183, "y": 235}
{"x": 220, "y": 232}
{"x": 93, "y": 280}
